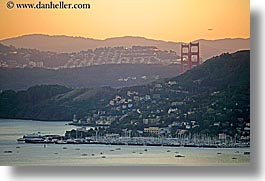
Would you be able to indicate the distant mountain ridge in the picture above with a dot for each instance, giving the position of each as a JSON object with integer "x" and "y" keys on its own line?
{"x": 62, "y": 43}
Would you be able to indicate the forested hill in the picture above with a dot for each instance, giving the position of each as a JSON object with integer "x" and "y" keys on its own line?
{"x": 227, "y": 69}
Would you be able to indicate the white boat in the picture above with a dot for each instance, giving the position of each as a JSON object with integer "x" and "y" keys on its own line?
{"x": 30, "y": 136}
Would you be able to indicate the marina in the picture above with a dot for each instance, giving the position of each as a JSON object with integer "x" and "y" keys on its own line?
{"x": 78, "y": 136}
{"x": 132, "y": 141}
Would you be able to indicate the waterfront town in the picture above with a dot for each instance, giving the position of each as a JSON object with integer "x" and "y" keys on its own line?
{"x": 153, "y": 115}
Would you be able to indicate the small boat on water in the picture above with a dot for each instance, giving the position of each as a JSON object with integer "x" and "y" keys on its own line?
{"x": 179, "y": 156}
{"x": 246, "y": 153}
{"x": 8, "y": 151}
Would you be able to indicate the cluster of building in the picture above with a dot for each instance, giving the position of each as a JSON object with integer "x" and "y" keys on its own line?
{"x": 20, "y": 58}
{"x": 122, "y": 55}
{"x": 167, "y": 109}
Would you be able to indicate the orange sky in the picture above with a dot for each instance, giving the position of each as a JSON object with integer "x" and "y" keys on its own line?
{"x": 171, "y": 20}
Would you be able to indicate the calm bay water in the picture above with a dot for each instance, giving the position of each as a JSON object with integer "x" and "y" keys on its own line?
{"x": 54, "y": 154}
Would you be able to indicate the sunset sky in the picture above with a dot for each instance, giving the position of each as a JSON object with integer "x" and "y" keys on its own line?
{"x": 170, "y": 20}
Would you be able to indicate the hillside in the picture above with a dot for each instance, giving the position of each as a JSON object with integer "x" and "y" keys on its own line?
{"x": 121, "y": 75}
{"x": 224, "y": 70}
{"x": 11, "y": 57}
{"x": 61, "y": 43}
{"x": 212, "y": 98}
{"x": 51, "y": 102}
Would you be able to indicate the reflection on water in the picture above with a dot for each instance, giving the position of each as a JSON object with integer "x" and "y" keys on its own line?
{"x": 13, "y": 153}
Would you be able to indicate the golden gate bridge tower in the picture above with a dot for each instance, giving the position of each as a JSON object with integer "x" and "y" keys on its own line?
{"x": 190, "y": 56}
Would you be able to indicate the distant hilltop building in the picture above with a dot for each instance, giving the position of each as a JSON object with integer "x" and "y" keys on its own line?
{"x": 190, "y": 56}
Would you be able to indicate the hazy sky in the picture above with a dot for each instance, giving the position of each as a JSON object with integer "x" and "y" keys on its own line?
{"x": 171, "y": 20}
